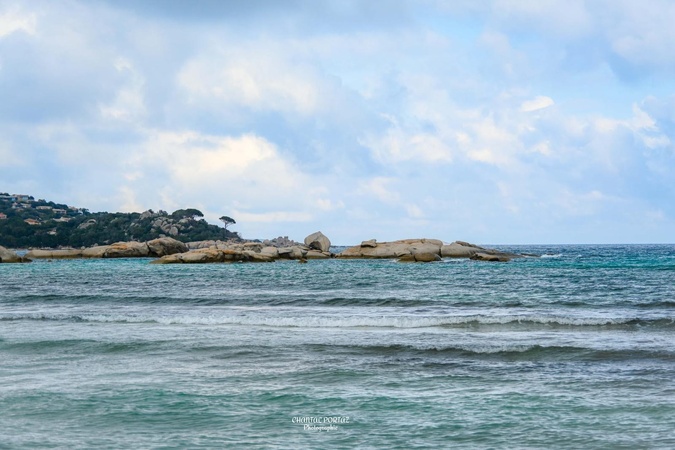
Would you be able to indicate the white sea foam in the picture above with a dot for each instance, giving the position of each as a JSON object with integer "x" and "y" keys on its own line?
{"x": 329, "y": 321}
{"x": 547, "y": 255}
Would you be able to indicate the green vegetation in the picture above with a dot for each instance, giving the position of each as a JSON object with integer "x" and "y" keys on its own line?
{"x": 26, "y": 222}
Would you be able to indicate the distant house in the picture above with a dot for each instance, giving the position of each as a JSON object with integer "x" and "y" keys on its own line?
{"x": 22, "y": 197}
{"x": 26, "y": 205}
{"x": 62, "y": 219}
{"x": 11, "y": 198}
{"x": 60, "y": 211}
{"x": 44, "y": 207}
{"x": 32, "y": 221}
{"x": 3, "y": 216}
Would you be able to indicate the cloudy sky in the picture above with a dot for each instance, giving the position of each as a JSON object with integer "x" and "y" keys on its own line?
{"x": 487, "y": 121}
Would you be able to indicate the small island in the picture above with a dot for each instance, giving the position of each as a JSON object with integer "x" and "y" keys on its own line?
{"x": 58, "y": 231}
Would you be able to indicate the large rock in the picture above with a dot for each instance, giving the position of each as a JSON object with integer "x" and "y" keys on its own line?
{"x": 315, "y": 254}
{"x": 131, "y": 249}
{"x": 369, "y": 243}
{"x": 213, "y": 255}
{"x": 272, "y": 252}
{"x": 54, "y": 254}
{"x": 395, "y": 249}
{"x": 295, "y": 252}
{"x": 503, "y": 257}
{"x": 8, "y": 256}
{"x": 317, "y": 241}
{"x": 166, "y": 246}
{"x": 95, "y": 252}
{"x": 426, "y": 257}
{"x": 460, "y": 249}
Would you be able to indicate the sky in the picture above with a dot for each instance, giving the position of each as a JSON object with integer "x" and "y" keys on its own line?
{"x": 503, "y": 122}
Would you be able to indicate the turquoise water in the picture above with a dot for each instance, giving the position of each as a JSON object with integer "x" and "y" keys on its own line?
{"x": 573, "y": 350}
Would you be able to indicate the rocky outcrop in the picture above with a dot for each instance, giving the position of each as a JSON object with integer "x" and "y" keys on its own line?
{"x": 420, "y": 257}
{"x": 424, "y": 250}
{"x": 281, "y": 241}
{"x": 133, "y": 249}
{"x": 395, "y": 249}
{"x": 95, "y": 252}
{"x": 492, "y": 258}
{"x": 54, "y": 254}
{"x": 460, "y": 249}
{"x": 318, "y": 241}
{"x": 237, "y": 251}
{"x": 213, "y": 255}
{"x": 8, "y": 256}
{"x": 166, "y": 246}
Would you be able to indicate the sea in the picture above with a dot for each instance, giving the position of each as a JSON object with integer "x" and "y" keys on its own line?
{"x": 574, "y": 349}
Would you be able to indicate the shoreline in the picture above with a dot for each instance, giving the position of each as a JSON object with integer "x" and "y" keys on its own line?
{"x": 167, "y": 250}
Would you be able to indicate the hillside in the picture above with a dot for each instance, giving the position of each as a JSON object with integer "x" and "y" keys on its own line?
{"x": 27, "y": 222}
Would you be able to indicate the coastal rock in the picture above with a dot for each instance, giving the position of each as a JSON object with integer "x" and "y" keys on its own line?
{"x": 426, "y": 257}
{"x": 420, "y": 257}
{"x": 317, "y": 241}
{"x": 207, "y": 255}
{"x": 460, "y": 249}
{"x": 491, "y": 257}
{"x": 407, "y": 258}
{"x": 8, "y": 256}
{"x": 127, "y": 250}
{"x": 166, "y": 246}
{"x": 251, "y": 256}
{"x": 314, "y": 254}
{"x": 94, "y": 252}
{"x": 426, "y": 248}
{"x": 54, "y": 254}
{"x": 253, "y": 246}
{"x": 394, "y": 249}
{"x": 272, "y": 252}
{"x": 372, "y": 243}
{"x": 295, "y": 252}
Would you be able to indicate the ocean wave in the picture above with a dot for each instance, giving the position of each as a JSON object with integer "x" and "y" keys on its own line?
{"x": 548, "y": 255}
{"x": 507, "y": 351}
{"x": 354, "y": 321}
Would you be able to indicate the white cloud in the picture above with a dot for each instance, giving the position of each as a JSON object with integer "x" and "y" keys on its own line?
{"x": 397, "y": 146}
{"x": 537, "y": 103}
{"x": 8, "y": 156}
{"x": 378, "y": 187}
{"x": 13, "y": 20}
{"x": 264, "y": 82}
{"x": 128, "y": 104}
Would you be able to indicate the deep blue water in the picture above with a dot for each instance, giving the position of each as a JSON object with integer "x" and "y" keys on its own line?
{"x": 572, "y": 350}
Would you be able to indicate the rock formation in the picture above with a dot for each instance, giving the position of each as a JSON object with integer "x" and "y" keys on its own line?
{"x": 317, "y": 247}
{"x": 424, "y": 250}
{"x": 166, "y": 246}
{"x": 8, "y": 256}
{"x": 156, "y": 247}
{"x": 213, "y": 255}
{"x": 317, "y": 241}
{"x": 395, "y": 249}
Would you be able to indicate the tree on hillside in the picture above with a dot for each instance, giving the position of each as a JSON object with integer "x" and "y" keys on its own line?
{"x": 227, "y": 221}
{"x": 189, "y": 213}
